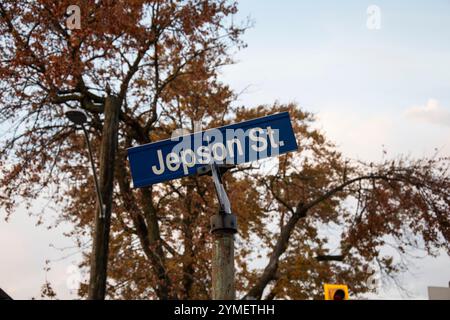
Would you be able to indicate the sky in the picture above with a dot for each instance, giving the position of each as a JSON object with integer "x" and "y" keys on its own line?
{"x": 376, "y": 74}
{"x": 373, "y": 84}
{"x": 390, "y": 83}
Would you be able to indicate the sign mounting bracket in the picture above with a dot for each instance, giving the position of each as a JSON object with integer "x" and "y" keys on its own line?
{"x": 225, "y": 220}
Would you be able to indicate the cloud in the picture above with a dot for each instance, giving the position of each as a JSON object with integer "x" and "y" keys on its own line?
{"x": 432, "y": 112}
{"x": 357, "y": 135}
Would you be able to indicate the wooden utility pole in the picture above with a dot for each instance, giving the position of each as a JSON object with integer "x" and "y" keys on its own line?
{"x": 99, "y": 257}
{"x": 223, "y": 228}
{"x": 223, "y": 266}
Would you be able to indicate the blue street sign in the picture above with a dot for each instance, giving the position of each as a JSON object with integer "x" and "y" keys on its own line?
{"x": 232, "y": 144}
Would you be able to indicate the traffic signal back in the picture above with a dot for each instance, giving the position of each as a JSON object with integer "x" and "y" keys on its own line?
{"x": 335, "y": 291}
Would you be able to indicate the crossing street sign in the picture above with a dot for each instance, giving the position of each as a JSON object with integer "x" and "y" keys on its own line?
{"x": 237, "y": 143}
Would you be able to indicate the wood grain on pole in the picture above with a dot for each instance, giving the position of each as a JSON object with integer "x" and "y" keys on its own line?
{"x": 99, "y": 257}
{"x": 223, "y": 266}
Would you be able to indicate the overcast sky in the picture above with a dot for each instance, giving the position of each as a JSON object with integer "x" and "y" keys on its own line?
{"x": 370, "y": 89}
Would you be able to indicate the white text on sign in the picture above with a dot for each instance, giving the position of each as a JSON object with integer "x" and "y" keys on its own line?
{"x": 221, "y": 150}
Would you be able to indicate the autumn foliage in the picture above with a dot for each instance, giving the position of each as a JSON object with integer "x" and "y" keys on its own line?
{"x": 162, "y": 60}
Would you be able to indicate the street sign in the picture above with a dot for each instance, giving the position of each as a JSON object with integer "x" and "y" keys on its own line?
{"x": 335, "y": 291}
{"x": 232, "y": 144}
{"x": 438, "y": 293}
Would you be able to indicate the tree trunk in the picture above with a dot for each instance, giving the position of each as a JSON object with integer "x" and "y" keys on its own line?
{"x": 99, "y": 257}
{"x": 256, "y": 292}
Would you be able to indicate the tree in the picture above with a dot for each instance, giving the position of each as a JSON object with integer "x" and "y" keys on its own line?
{"x": 161, "y": 59}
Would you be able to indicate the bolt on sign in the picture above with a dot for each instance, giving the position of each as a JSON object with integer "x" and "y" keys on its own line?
{"x": 335, "y": 291}
{"x": 233, "y": 144}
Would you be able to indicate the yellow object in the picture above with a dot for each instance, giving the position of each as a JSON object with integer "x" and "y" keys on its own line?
{"x": 335, "y": 291}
